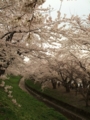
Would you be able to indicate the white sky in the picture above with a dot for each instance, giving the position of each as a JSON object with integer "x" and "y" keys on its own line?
{"x": 69, "y": 7}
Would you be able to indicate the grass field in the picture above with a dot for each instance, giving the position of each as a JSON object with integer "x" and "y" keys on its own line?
{"x": 31, "y": 108}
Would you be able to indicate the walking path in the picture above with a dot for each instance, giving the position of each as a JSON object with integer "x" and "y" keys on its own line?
{"x": 22, "y": 85}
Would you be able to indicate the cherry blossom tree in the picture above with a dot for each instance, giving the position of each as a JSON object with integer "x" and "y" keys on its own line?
{"x": 25, "y": 29}
{"x": 57, "y": 49}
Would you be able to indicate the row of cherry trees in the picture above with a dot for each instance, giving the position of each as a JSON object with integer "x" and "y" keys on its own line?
{"x": 58, "y": 50}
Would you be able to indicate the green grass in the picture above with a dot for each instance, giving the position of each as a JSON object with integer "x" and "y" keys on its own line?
{"x": 51, "y": 92}
{"x": 59, "y": 95}
{"x": 31, "y": 108}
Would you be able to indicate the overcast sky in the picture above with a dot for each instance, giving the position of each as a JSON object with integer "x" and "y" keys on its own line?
{"x": 69, "y": 7}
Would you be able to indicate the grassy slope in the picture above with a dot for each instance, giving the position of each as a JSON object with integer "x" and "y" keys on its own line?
{"x": 59, "y": 95}
{"x": 31, "y": 108}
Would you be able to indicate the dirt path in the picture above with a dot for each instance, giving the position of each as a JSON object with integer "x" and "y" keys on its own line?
{"x": 22, "y": 85}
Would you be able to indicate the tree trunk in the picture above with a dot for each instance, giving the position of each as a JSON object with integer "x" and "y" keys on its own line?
{"x": 2, "y": 72}
{"x": 67, "y": 88}
{"x": 87, "y": 99}
{"x": 87, "y": 105}
{"x": 54, "y": 83}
